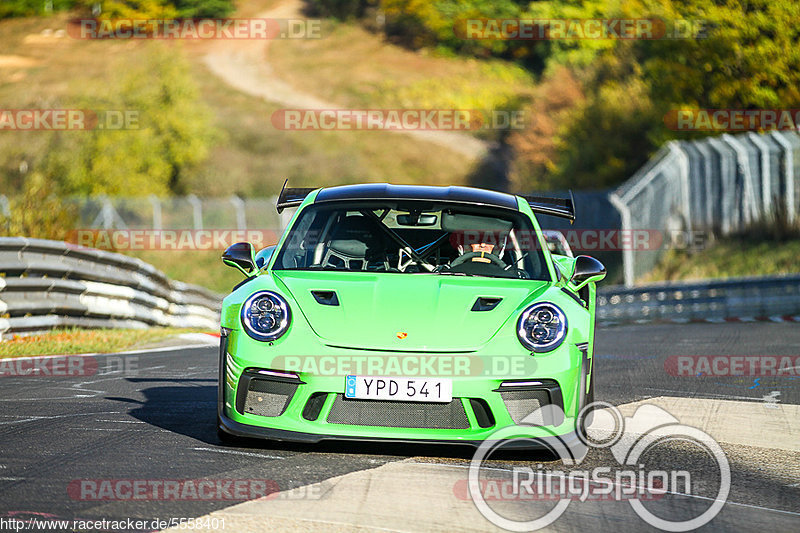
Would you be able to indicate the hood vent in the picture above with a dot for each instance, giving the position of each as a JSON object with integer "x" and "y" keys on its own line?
{"x": 485, "y": 304}
{"x": 326, "y": 297}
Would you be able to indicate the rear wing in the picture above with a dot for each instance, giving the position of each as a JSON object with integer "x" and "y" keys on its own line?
{"x": 557, "y": 207}
{"x": 292, "y": 196}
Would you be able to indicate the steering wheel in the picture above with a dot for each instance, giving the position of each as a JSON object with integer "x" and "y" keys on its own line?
{"x": 472, "y": 255}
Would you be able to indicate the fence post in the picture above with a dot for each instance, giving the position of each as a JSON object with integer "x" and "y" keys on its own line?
{"x": 627, "y": 252}
{"x": 683, "y": 165}
{"x": 749, "y": 207}
{"x": 197, "y": 211}
{"x": 5, "y": 209}
{"x": 156, "y": 203}
{"x": 766, "y": 197}
{"x": 789, "y": 176}
{"x": 108, "y": 216}
{"x": 241, "y": 216}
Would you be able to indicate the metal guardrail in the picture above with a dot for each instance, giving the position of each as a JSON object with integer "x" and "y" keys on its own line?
{"x": 49, "y": 284}
{"x": 736, "y": 298}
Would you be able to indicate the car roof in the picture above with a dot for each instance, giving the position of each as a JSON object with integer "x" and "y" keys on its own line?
{"x": 385, "y": 191}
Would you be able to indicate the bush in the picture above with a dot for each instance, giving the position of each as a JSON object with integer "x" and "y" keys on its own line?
{"x": 38, "y": 212}
{"x": 25, "y": 8}
{"x": 161, "y": 9}
{"x": 173, "y": 133}
{"x": 338, "y": 9}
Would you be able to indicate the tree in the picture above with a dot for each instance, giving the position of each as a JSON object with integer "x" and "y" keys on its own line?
{"x": 172, "y": 133}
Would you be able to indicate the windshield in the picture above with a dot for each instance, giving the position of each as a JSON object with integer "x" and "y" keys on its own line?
{"x": 413, "y": 238}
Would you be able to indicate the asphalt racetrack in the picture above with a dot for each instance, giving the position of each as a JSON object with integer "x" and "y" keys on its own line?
{"x": 153, "y": 419}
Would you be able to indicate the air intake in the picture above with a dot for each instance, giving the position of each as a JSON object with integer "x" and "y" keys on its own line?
{"x": 325, "y": 297}
{"x": 485, "y": 304}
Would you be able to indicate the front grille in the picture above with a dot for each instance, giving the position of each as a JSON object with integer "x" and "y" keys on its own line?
{"x": 383, "y": 413}
{"x": 267, "y": 398}
{"x": 522, "y": 403}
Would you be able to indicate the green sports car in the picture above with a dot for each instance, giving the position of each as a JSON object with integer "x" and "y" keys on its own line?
{"x": 407, "y": 313}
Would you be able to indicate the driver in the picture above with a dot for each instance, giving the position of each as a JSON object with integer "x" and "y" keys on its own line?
{"x": 480, "y": 260}
{"x": 483, "y": 248}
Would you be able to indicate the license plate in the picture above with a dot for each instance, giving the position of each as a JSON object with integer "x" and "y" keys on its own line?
{"x": 398, "y": 389}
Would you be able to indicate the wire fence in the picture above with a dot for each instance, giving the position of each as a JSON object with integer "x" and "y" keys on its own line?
{"x": 182, "y": 212}
{"x": 719, "y": 185}
{"x": 714, "y": 186}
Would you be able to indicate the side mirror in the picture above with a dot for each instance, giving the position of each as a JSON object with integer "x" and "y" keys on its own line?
{"x": 241, "y": 255}
{"x": 587, "y": 270}
{"x": 263, "y": 256}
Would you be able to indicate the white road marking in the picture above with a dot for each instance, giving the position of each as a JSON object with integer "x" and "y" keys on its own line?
{"x": 683, "y": 394}
{"x": 96, "y": 429}
{"x": 234, "y": 452}
{"x": 52, "y": 417}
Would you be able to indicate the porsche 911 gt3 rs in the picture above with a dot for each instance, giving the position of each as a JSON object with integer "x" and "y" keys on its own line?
{"x": 407, "y": 313}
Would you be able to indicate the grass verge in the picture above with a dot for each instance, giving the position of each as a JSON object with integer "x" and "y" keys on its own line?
{"x": 730, "y": 257}
{"x": 76, "y": 341}
{"x": 200, "y": 267}
{"x": 389, "y": 76}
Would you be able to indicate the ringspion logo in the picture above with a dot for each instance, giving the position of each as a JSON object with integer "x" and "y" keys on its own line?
{"x": 629, "y": 439}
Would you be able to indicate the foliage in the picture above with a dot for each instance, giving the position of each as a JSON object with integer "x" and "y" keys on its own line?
{"x": 173, "y": 133}
{"x": 126, "y": 9}
{"x": 714, "y": 54}
{"x": 25, "y": 8}
{"x": 339, "y": 9}
{"x": 537, "y": 145}
{"x": 37, "y": 212}
{"x": 495, "y": 88}
{"x": 198, "y": 9}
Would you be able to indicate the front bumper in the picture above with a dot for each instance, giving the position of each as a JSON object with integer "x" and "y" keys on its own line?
{"x": 475, "y": 397}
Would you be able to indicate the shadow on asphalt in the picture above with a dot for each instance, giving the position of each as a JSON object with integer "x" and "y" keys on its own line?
{"x": 191, "y": 411}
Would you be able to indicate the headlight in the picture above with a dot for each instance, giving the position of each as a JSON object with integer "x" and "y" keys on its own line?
{"x": 542, "y": 327}
{"x": 265, "y": 316}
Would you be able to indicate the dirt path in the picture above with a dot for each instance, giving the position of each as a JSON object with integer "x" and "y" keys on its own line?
{"x": 244, "y": 65}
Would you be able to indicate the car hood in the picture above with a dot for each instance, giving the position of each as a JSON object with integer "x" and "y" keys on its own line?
{"x": 406, "y": 312}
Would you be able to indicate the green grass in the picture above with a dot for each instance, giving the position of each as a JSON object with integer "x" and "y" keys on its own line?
{"x": 731, "y": 257}
{"x": 255, "y": 158}
{"x": 251, "y": 159}
{"x": 200, "y": 267}
{"x": 388, "y": 76}
{"x": 75, "y": 341}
